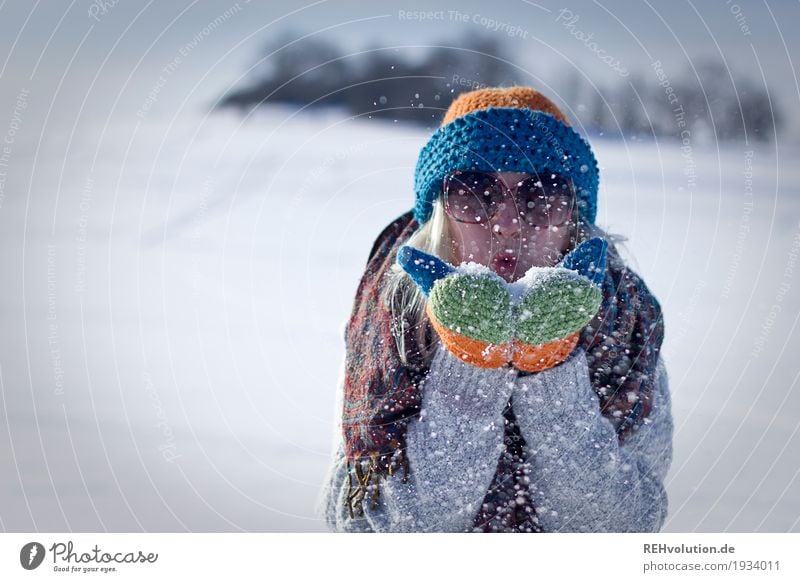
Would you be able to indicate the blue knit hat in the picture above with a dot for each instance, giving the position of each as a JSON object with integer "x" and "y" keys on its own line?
{"x": 506, "y": 139}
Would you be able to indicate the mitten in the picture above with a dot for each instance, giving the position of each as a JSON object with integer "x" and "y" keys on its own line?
{"x": 533, "y": 323}
{"x": 555, "y": 304}
{"x": 469, "y": 307}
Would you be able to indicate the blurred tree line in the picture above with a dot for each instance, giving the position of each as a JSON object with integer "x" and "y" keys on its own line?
{"x": 417, "y": 86}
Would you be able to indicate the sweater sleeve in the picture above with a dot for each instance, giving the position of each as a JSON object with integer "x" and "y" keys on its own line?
{"x": 583, "y": 479}
{"x": 453, "y": 448}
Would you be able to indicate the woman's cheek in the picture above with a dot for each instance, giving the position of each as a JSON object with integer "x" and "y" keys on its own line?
{"x": 479, "y": 249}
{"x": 473, "y": 244}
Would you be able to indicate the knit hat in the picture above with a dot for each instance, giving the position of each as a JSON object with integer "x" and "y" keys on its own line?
{"x": 514, "y": 129}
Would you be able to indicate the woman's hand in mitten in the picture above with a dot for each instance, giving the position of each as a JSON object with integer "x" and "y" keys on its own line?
{"x": 555, "y": 304}
{"x": 533, "y": 323}
{"x": 469, "y": 307}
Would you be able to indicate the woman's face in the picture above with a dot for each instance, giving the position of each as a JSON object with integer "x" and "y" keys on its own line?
{"x": 506, "y": 244}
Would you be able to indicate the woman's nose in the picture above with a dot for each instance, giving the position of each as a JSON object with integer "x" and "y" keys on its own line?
{"x": 505, "y": 222}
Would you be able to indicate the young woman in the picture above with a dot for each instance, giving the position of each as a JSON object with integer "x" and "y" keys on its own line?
{"x": 478, "y": 393}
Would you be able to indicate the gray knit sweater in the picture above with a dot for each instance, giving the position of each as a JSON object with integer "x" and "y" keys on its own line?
{"x": 581, "y": 478}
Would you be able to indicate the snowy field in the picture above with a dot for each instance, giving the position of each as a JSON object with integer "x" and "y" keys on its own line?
{"x": 175, "y": 295}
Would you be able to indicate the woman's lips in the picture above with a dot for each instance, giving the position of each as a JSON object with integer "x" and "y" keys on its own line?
{"x": 504, "y": 264}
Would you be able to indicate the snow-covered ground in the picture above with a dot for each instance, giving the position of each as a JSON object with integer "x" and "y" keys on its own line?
{"x": 175, "y": 294}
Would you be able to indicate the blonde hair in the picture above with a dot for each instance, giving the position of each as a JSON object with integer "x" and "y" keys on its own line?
{"x": 404, "y": 300}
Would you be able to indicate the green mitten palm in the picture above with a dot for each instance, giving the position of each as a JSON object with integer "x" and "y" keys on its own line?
{"x": 476, "y": 305}
{"x": 533, "y": 322}
{"x": 556, "y": 304}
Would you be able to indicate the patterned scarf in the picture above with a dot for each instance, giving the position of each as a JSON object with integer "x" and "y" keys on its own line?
{"x": 382, "y": 394}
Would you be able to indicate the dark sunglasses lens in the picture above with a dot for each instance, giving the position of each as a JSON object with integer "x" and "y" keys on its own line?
{"x": 546, "y": 200}
{"x": 472, "y": 196}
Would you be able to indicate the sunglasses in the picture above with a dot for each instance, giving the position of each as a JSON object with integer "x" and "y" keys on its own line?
{"x": 476, "y": 197}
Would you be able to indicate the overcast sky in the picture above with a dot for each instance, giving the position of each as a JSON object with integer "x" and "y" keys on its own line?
{"x": 109, "y": 56}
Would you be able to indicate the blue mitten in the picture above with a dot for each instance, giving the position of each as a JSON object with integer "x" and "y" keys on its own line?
{"x": 533, "y": 323}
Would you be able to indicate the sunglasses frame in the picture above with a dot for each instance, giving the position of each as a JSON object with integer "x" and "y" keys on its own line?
{"x": 507, "y": 191}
